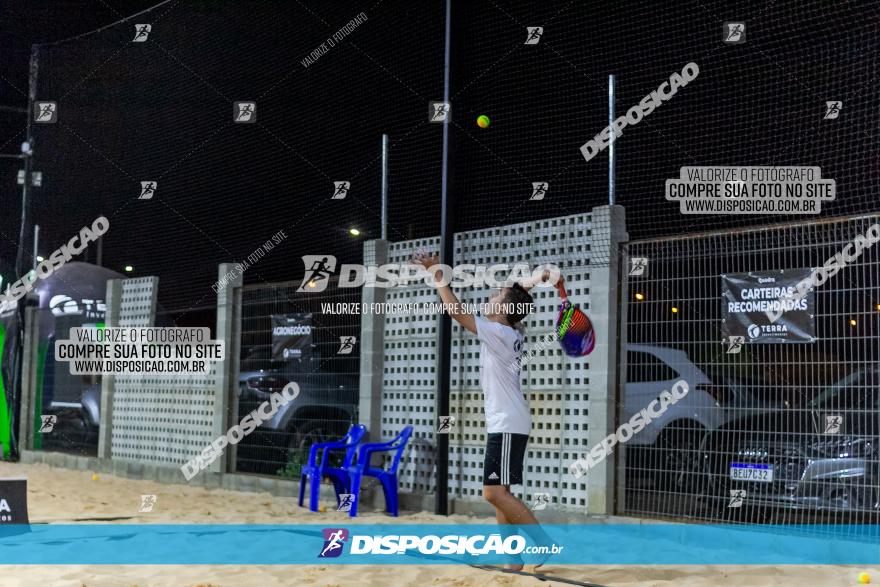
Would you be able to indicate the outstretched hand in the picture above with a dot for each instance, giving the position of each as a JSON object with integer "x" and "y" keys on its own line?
{"x": 425, "y": 259}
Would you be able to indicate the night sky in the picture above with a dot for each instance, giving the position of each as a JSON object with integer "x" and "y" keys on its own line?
{"x": 162, "y": 111}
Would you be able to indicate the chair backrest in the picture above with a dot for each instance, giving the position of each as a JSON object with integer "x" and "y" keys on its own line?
{"x": 353, "y": 439}
{"x": 399, "y": 445}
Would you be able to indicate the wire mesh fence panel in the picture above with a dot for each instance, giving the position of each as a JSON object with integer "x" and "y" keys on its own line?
{"x": 781, "y": 418}
{"x": 291, "y": 336}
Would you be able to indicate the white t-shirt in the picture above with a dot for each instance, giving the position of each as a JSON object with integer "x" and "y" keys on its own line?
{"x": 505, "y": 405}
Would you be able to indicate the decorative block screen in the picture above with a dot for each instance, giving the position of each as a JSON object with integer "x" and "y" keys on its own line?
{"x": 555, "y": 385}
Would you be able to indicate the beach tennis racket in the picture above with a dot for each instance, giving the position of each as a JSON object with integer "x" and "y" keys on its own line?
{"x": 573, "y": 328}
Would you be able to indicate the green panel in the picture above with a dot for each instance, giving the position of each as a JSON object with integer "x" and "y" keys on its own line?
{"x": 4, "y": 408}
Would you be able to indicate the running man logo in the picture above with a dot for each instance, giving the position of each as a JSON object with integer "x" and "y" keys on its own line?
{"x": 47, "y": 423}
{"x": 340, "y": 189}
{"x": 346, "y": 345}
{"x": 319, "y": 268}
{"x": 737, "y": 496}
{"x": 244, "y": 112}
{"x": 446, "y": 424}
{"x": 637, "y": 266}
{"x": 334, "y": 539}
{"x": 346, "y": 500}
{"x": 540, "y": 501}
{"x": 147, "y": 503}
{"x": 539, "y": 190}
{"x": 735, "y": 344}
{"x": 5, "y": 511}
{"x": 832, "y": 109}
{"x": 439, "y": 112}
{"x": 833, "y": 424}
{"x": 734, "y": 32}
{"x": 148, "y": 190}
{"x": 533, "y": 34}
{"x": 46, "y": 112}
{"x": 141, "y": 31}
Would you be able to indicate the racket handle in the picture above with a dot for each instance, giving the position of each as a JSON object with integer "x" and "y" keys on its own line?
{"x": 562, "y": 293}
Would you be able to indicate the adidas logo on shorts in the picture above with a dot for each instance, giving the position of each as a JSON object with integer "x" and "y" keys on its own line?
{"x": 493, "y": 476}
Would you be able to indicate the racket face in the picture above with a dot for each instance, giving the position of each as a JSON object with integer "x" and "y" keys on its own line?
{"x": 575, "y": 331}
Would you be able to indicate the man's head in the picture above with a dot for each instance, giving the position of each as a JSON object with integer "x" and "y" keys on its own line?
{"x": 511, "y": 304}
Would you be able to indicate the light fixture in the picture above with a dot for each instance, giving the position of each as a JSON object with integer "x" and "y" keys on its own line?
{"x": 852, "y": 322}
{"x": 640, "y": 296}
{"x": 354, "y": 231}
{"x": 129, "y": 268}
{"x": 674, "y": 310}
{"x": 40, "y": 259}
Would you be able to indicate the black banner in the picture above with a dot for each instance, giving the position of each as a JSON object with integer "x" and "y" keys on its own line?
{"x": 291, "y": 336}
{"x": 768, "y": 306}
{"x": 13, "y": 501}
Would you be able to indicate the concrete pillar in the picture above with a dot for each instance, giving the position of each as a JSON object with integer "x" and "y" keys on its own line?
{"x": 372, "y": 346}
{"x": 30, "y": 410}
{"x": 108, "y": 385}
{"x": 608, "y": 231}
{"x": 228, "y": 331}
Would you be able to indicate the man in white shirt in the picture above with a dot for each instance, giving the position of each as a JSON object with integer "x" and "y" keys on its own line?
{"x": 508, "y": 420}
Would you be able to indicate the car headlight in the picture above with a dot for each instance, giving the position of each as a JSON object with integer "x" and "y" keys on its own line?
{"x": 842, "y": 448}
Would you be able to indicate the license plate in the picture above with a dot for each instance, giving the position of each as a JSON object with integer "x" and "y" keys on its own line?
{"x": 751, "y": 472}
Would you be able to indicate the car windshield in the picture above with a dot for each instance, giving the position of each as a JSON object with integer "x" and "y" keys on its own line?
{"x": 858, "y": 390}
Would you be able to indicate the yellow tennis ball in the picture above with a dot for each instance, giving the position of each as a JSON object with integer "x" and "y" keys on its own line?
{"x": 94, "y": 476}
{"x": 483, "y": 121}
{"x": 864, "y": 578}
{"x": 322, "y": 508}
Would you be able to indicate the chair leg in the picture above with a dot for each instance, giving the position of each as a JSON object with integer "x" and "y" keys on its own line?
{"x": 314, "y": 488}
{"x": 356, "y": 491}
{"x": 389, "y": 486}
{"x": 302, "y": 488}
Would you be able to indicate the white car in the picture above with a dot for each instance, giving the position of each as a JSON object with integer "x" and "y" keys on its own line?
{"x": 671, "y": 442}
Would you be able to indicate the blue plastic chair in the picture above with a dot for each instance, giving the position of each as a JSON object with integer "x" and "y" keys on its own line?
{"x": 313, "y": 472}
{"x": 387, "y": 477}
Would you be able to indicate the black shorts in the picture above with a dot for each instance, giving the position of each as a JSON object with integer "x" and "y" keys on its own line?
{"x": 504, "y": 458}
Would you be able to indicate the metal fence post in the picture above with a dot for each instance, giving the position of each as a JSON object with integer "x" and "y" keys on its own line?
{"x": 30, "y": 379}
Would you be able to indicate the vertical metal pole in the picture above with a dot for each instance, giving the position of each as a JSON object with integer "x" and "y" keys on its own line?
{"x": 444, "y": 340}
{"x": 384, "y": 187}
{"x": 18, "y": 350}
{"x": 36, "y": 244}
{"x": 100, "y": 252}
{"x": 611, "y": 195}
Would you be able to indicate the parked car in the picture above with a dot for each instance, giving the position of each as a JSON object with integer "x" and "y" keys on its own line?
{"x": 324, "y": 409}
{"x": 668, "y": 448}
{"x": 821, "y": 456}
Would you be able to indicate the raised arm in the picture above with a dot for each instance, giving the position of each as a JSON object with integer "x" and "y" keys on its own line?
{"x": 452, "y": 305}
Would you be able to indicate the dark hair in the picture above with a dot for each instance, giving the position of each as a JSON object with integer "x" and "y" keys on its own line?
{"x": 519, "y": 304}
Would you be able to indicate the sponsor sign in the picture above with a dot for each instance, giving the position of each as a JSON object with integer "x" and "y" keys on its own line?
{"x": 291, "y": 336}
{"x": 13, "y": 501}
{"x": 746, "y": 299}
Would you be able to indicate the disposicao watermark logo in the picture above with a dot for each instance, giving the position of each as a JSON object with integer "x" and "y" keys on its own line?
{"x": 635, "y": 114}
{"x": 264, "y": 412}
{"x": 55, "y": 261}
{"x": 793, "y": 298}
{"x": 319, "y": 269}
{"x": 629, "y": 429}
{"x": 334, "y": 539}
